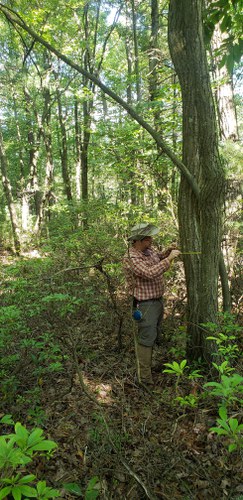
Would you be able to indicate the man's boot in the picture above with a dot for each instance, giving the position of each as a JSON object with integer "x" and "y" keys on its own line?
{"x": 144, "y": 361}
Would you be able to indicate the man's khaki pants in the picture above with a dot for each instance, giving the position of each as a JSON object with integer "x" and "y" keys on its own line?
{"x": 148, "y": 329}
{"x": 144, "y": 361}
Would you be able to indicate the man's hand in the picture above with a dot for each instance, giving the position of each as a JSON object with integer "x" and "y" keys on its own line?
{"x": 167, "y": 252}
{"x": 173, "y": 254}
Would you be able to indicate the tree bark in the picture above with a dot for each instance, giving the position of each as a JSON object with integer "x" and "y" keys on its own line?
{"x": 136, "y": 55}
{"x": 153, "y": 55}
{"x": 24, "y": 197}
{"x": 199, "y": 219}
{"x": 64, "y": 150}
{"x": 78, "y": 148}
{"x": 9, "y": 197}
{"x": 32, "y": 186}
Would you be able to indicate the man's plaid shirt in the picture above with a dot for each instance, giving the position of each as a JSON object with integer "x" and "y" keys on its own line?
{"x": 144, "y": 273}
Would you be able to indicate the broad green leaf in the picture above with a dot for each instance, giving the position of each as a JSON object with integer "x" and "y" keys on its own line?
{"x": 219, "y": 431}
{"x": 226, "y": 23}
{"x": 73, "y": 488}
{"x": 17, "y": 492}
{"x": 224, "y": 424}
{"x": 223, "y": 412}
{"x": 233, "y": 423}
{"x": 4, "y": 492}
{"x": 183, "y": 363}
{"x": 35, "y": 437}
{"x": 45, "y": 445}
{"x": 28, "y": 491}
{"x": 45, "y": 491}
{"x": 27, "y": 479}
{"x": 7, "y": 419}
{"x": 21, "y": 435}
{"x": 92, "y": 491}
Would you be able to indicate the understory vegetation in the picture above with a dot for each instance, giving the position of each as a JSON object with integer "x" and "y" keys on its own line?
{"x": 74, "y": 422}
{"x": 114, "y": 114}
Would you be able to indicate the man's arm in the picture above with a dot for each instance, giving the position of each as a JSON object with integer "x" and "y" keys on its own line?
{"x": 143, "y": 269}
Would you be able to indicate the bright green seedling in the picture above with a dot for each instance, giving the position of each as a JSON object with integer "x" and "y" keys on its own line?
{"x": 16, "y": 451}
{"x": 31, "y": 442}
{"x": 226, "y": 345}
{"x": 44, "y": 492}
{"x": 230, "y": 428}
{"x": 18, "y": 486}
{"x": 190, "y": 401}
{"x": 180, "y": 371}
{"x": 176, "y": 368}
{"x": 229, "y": 389}
{"x": 11, "y": 457}
{"x": 194, "y": 374}
{"x": 224, "y": 368}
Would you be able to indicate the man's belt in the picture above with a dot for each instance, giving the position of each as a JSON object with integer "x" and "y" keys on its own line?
{"x": 145, "y": 300}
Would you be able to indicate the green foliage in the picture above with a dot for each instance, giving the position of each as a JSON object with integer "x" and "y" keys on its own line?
{"x": 228, "y": 14}
{"x": 17, "y": 450}
{"x": 92, "y": 491}
{"x": 223, "y": 368}
{"x": 73, "y": 488}
{"x": 229, "y": 390}
{"x": 190, "y": 400}
{"x": 180, "y": 369}
{"x": 230, "y": 428}
{"x": 176, "y": 368}
{"x": 225, "y": 337}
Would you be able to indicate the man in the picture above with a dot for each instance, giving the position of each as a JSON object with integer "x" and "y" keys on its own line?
{"x": 144, "y": 269}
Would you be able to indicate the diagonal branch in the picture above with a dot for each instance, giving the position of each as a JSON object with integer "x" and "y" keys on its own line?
{"x": 15, "y": 19}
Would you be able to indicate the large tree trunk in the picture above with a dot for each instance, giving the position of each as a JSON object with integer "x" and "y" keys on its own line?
{"x": 199, "y": 220}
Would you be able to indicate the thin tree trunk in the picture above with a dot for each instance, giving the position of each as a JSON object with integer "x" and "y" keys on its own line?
{"x": 78, "y": 149}
{"x": 129, "y": 67}
{"x": 154, "y": 59}
{"x": 9, "y": 197}
{"x": 24, "y": 196}
{"x": 64, "y": 150}
{"x": 32, "y": 187}
{"x": 45, "y": 199}
{"x": 136, "y": 55}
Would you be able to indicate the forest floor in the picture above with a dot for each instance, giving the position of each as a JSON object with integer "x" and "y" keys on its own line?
{"x": 152, "y": 447}
{"x": 131, "y": 443}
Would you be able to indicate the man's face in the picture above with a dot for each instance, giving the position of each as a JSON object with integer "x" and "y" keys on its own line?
{"x": 146, "y": 242}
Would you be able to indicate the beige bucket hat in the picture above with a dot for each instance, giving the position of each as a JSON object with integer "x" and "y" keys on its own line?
{"x": 140, "y": 231}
